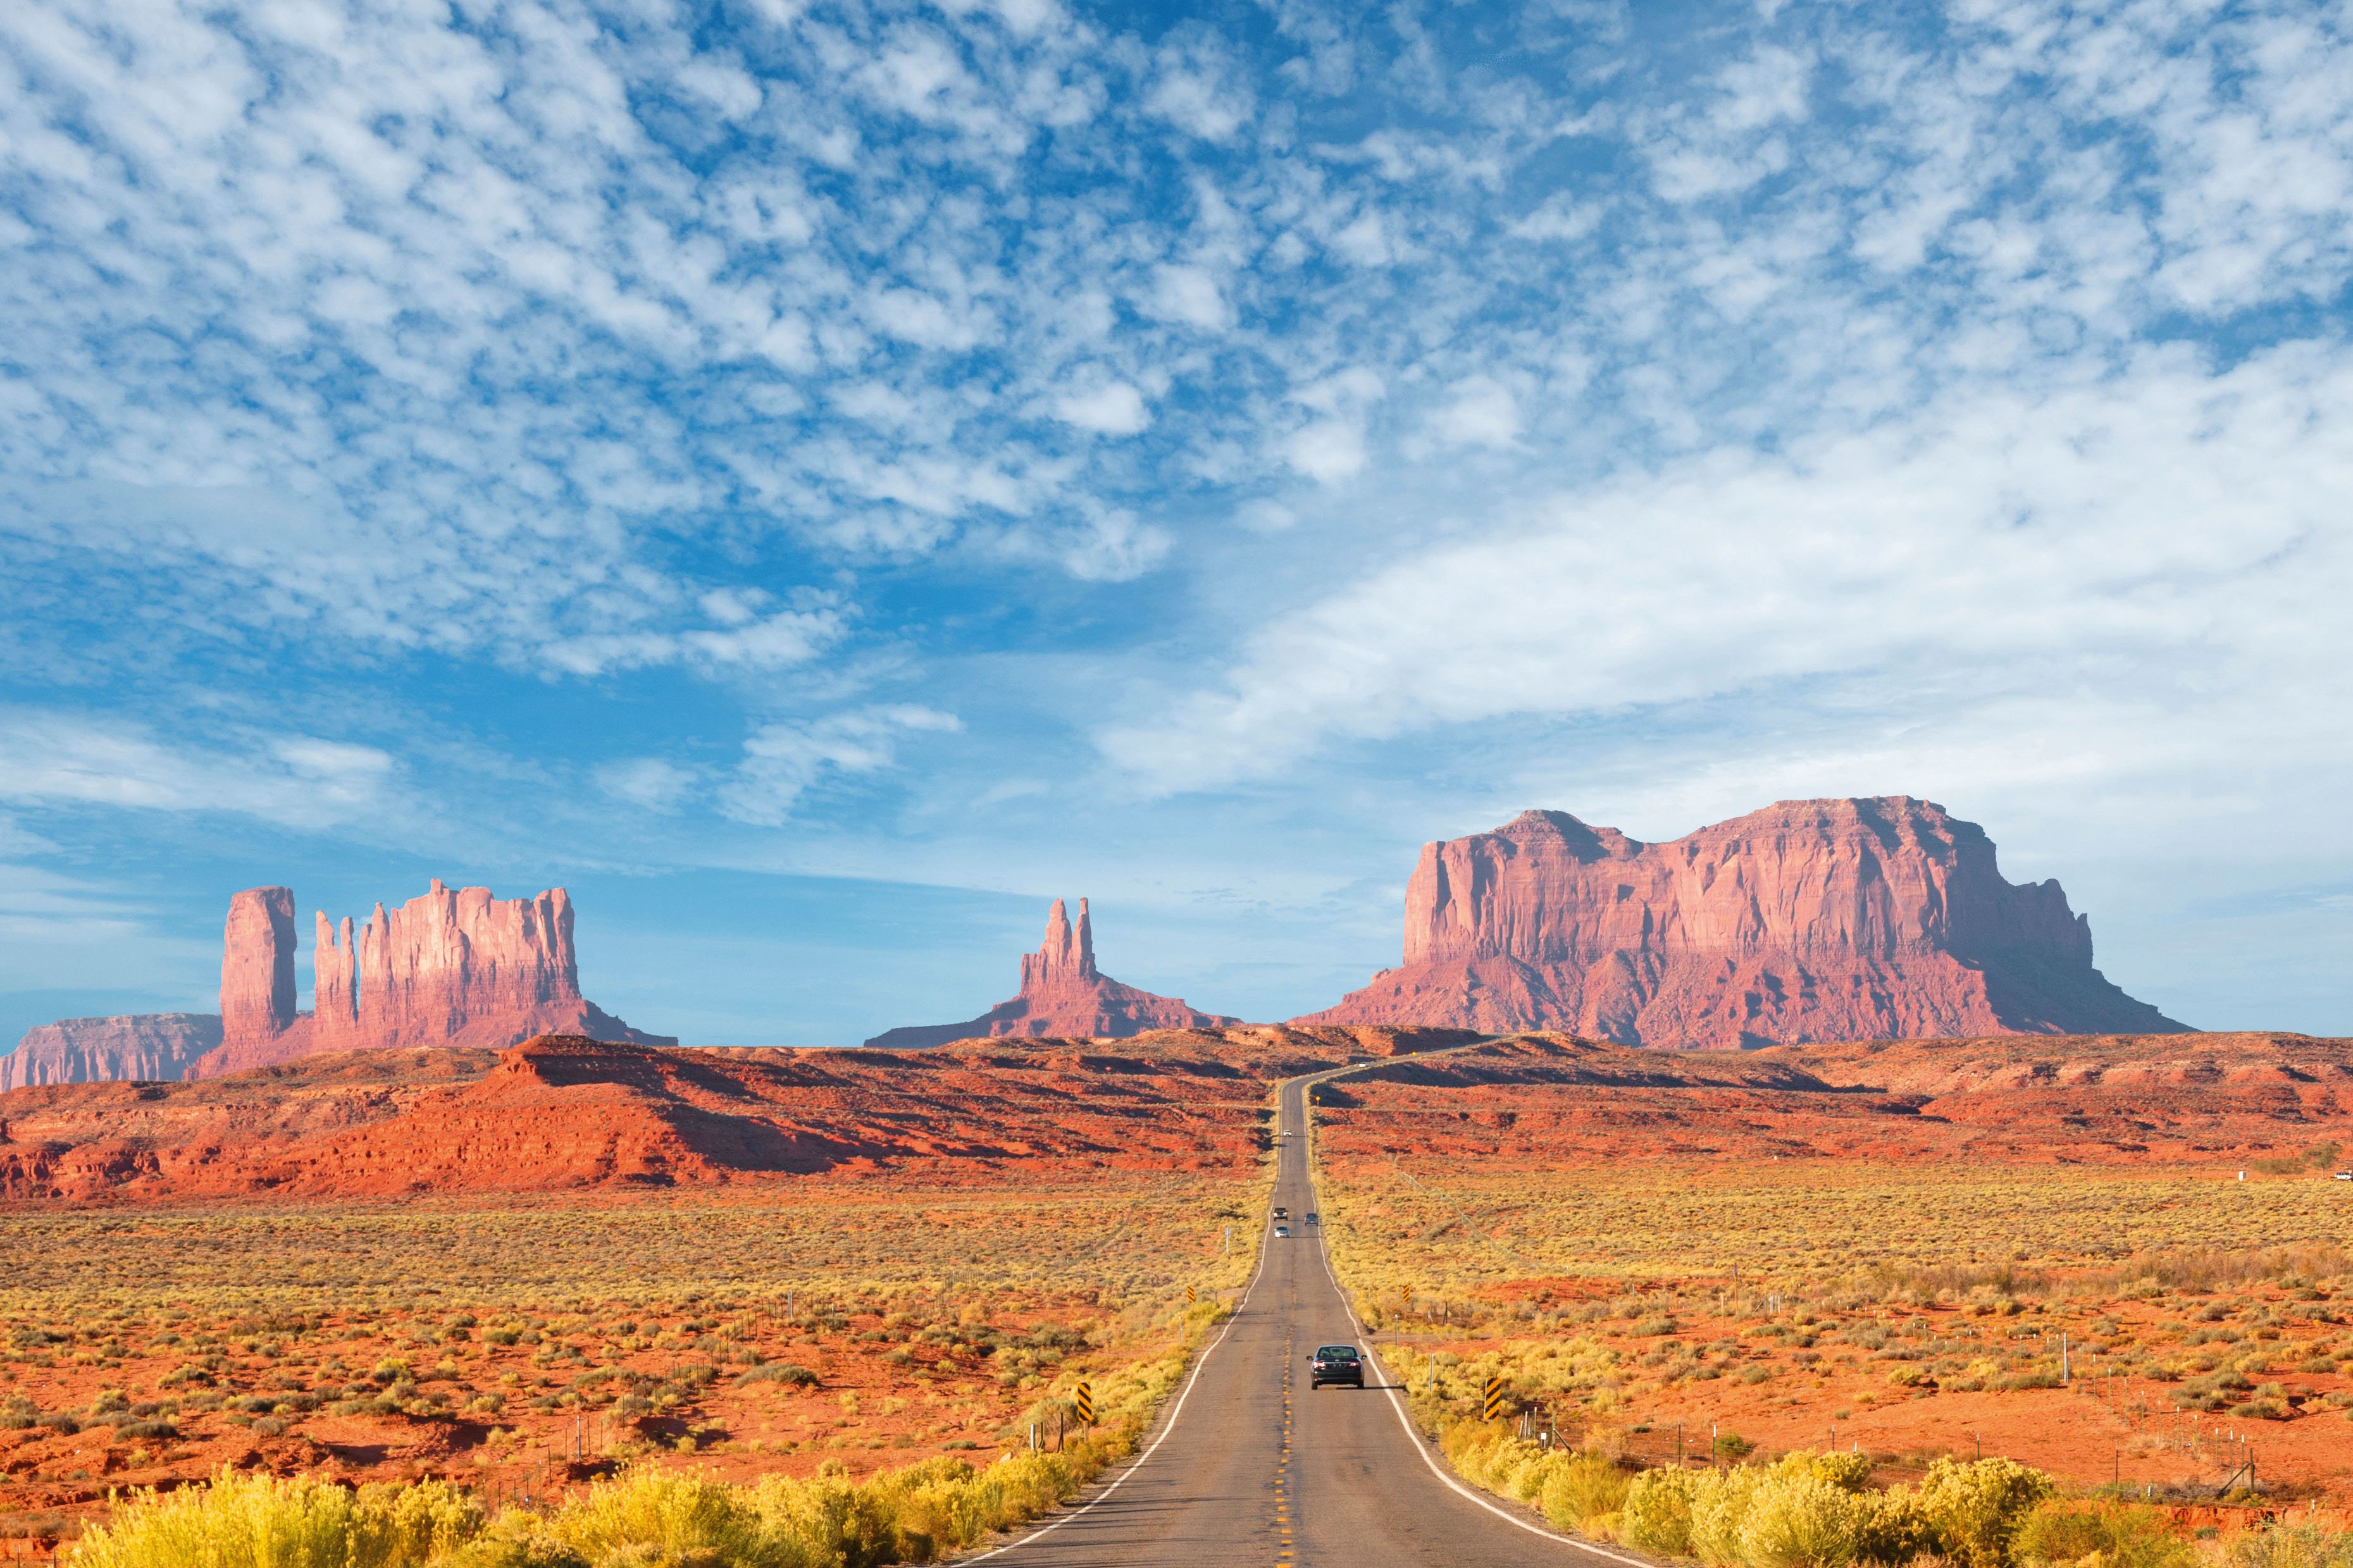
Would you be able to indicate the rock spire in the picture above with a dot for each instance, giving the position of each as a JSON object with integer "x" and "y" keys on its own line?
{"x": 1063, "y": 995}
{"x": 256, "y": 994}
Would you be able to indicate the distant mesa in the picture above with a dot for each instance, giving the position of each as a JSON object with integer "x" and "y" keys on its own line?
{"x": 1063, "y": 996}
{"x": 1808, "y": 920}
{"x": 153, "y": 1046}
{"x": 453, "y": 967}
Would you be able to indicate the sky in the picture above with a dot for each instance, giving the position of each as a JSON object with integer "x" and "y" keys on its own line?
{"x": 820, "y": 480}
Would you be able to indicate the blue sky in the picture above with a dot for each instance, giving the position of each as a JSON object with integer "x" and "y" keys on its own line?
{"x": 821, "y": 481}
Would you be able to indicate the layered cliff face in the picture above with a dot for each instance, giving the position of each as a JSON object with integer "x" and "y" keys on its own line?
{"x": 148, "y": 1047}
{"x": 1823, "y": 920}
{"x": 451, "y": 967}
{"x": 1063, "y": 996}
{"x": 454, "y": 967}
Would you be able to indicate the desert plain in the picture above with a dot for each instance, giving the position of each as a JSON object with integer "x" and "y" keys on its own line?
{"x": 524, "y": 1269}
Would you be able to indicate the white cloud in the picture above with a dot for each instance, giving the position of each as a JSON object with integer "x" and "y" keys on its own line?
{"x": 1480, "y": 412}
{"x": 1113, "y": 408}
{"x": 782, "y": 761}
{"x": 778, "y": 641}
{"x": 1264, "y": 516}
{"x": 653, "y": 783}
{"x": 72, "y": 760}
{"x": 2133, "y": 539}
{"x": 1198, "y": 86}
{"x": 1326, "y": 450}
{"x": 1188, "y": 294}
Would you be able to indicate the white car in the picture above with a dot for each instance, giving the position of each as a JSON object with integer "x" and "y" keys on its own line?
{"x": 1281, "y": 1230}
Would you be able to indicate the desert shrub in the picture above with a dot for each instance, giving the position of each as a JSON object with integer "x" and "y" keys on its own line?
{"x": 2292, "y": 1546}
{"x": 1719, "y": 1507}
{"x": 1572, "y": 1489}
{"x": 668, "y": 1517}
{"x": 1583, "y": 1487}
{"x": 1975, "y": 1507}
{"x": 782, "y": 1372}
{"x": 261, "y": 1521}
{"x": 2112, "y": 1535}
{"x": 1798, "y": 1519}
{"x": 1656, "y": 1515}
{"x": 1818, "y": 1511}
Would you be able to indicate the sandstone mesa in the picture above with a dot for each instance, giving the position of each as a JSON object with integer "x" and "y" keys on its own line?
{"x": 451, "y": 967}
{"x": 1809, "y": 921}
{"x": 1063, "y": 994}
{"x": 1814, "y": 919}
{"x": 158, "y": 1046}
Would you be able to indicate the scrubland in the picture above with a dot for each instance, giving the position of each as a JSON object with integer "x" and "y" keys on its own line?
{"x": 523, "y": 1350}
{"x": 1674, "y": 1278}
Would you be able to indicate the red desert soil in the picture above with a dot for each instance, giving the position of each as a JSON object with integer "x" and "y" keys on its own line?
{"x": 1967, "y": 1200}
{"x": 2106, "y": 1098}
{"x": 563, "y": 1112}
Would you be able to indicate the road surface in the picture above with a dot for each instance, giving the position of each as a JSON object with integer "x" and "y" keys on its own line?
{"x": 1251, "y": 1465}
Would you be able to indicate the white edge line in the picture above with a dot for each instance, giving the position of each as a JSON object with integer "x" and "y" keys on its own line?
{"x": 1323, "y": 1250}
{"x": 1175, "y": 1411}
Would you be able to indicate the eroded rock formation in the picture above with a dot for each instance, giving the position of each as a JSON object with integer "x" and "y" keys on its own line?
{"x": 148, "y": 1047}
{"x": 1817, "y": 920}
{"x": 258, "y": 1018}
{"x": 1064, "y": 996}
{"x": 454, "y": 967}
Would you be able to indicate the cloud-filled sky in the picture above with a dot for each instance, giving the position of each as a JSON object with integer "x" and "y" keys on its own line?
{"x": 820, "y": 480}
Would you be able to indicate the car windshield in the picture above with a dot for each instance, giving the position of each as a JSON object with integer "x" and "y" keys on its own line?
{"x": 1336, "y": 1353}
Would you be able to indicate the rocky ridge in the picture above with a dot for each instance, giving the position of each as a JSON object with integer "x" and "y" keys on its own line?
{"x": 566, "y": 1113}
{"x": 1063, "y": 994}
{"x": 560, "y": 1114}
{"x": 1824, "y": 919}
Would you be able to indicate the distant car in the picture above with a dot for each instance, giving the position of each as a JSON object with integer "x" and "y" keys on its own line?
{"x": 1314, "y": 1218}
{"x": 1335, "y": 1363}
{"x": 1281, "y": 1230}
{"x": 2345, "y": 1176}
{"x": 1282, "y": 1213}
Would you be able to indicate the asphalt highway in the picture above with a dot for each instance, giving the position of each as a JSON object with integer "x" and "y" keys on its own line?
{"x": 1248, "y": 1465}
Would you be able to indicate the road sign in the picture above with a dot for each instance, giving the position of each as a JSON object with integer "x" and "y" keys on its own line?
{"x": 1192, "y": 1294}
{"x": 1085, "y": 1400}
{"x": 1491, "y": 1403}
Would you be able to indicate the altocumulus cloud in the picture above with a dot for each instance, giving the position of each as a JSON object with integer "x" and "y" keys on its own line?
{"x": 1959, "y": 379}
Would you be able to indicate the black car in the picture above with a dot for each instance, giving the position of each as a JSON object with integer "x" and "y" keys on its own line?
{"x": 1335, "y": 1363}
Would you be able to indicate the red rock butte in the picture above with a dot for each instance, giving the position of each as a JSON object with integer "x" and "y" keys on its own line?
{"x": 452, "y": 967}
{"x": 1812, "y": 920}
{"x": 1063, "y": 996}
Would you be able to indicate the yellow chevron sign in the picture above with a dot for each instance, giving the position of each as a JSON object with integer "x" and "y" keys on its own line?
{"x": 1492, "y": 1405}
{"x": 1085, "y": 1399}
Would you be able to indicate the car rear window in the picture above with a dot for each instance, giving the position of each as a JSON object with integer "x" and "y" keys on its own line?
{"x": 1336, "y": 1353}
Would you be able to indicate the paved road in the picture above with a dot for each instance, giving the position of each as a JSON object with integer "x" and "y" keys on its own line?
{"x": 1252, "y": 1466}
